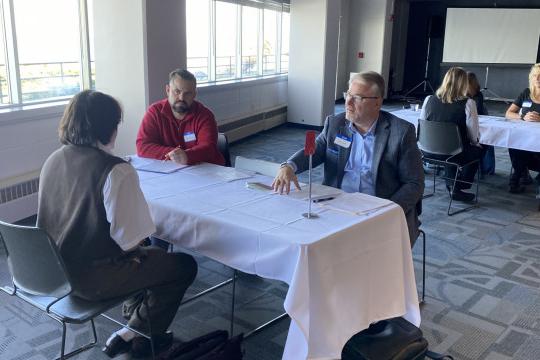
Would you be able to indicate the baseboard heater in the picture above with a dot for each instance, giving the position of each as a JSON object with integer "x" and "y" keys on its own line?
{"x": 244, "y": 127}
{"x": 19, "y": 201}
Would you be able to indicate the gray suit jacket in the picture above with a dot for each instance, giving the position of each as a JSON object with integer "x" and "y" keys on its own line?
{"x": 397, "y": 162}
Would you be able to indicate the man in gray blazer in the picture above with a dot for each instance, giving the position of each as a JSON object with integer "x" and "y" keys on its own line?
{"x": 366, "y": 150}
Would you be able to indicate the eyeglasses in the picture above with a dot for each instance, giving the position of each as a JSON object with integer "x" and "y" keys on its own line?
{"x": 357, "y": 98}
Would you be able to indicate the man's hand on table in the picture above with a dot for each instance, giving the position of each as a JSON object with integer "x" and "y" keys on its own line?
{"x": 177, "y": 155}
{"x": 283, "y": 179}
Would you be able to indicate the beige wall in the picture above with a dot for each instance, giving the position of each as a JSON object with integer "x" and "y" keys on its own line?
{"x": 313, "y": 60}
{"x": 370, "y": 31}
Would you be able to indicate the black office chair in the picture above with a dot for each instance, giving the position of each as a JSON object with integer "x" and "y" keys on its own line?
{"x": 223, "y": 147}
{"x": 39, "y": 277}
{"x": 440, "y": 143}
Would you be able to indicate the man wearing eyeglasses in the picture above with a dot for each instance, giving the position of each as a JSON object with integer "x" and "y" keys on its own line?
{"x": 366, "y": 150}
{"x": 179, "y": 128}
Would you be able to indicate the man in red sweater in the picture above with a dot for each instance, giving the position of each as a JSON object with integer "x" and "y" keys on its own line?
{"x": 179, "y": 128}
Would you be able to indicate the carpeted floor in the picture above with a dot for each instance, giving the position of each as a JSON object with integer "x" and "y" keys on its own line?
{"x": 483, "y": 295}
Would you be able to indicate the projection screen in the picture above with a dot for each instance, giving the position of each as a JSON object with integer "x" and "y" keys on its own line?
{"x": 491, "y": 36}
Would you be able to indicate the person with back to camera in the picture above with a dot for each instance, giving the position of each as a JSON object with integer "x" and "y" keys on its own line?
{"x": 451, "y": 104}
{"x": 527, "y": 108}
{"x": 487, "y": 162}
{"x": 91, "y": 205}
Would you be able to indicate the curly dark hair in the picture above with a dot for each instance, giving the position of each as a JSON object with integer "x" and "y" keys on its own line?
{"x": 90, "y": 116}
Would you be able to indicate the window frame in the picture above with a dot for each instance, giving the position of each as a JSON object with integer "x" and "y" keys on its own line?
{"x": 279, "y": 7}
{"x": 10, "y": 43}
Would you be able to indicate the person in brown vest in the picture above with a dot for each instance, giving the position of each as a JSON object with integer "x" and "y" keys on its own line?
{"x": 91, "y": 204}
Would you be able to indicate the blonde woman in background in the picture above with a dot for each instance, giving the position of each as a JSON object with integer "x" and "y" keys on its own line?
{"x": 527, "y": 108}
{"x": 451, "y": 104}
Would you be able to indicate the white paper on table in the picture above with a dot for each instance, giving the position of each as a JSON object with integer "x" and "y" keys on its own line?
{"x": 220, "y": 172}
{"x": 318, "y": 191}
{"x": 356, "y": 203}
{"x": 160, "y": 166}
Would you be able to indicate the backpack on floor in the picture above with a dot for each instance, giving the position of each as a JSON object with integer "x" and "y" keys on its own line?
{"x": 392, "y": 339}
{"x": 212, "y": 346}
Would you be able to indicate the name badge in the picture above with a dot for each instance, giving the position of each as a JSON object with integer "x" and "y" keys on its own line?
{"x": 342, "y": 141}
{"x": 189, "y": 136}
{"x": 526, "y": 104}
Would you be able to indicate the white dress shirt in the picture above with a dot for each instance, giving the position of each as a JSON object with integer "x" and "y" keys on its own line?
{"x": 126, "y": 207}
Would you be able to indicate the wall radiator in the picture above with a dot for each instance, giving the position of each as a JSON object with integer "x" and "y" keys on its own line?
{"x": 19, "y": 201}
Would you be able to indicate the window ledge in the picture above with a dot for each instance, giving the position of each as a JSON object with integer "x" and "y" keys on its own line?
{"x": 31, "y": 112}
{"x": 232, "y": 84}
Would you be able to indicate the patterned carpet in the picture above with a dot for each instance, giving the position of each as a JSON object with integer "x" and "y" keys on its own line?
{"x": 483, "y": 294}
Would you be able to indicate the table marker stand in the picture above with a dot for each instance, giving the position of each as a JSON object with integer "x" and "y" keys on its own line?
{"x": 309, "y": 214}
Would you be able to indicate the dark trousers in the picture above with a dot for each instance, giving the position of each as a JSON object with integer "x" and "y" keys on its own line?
{"x": 487, "y": 162}
{"x": 166, "y": 276}
{"x": 521, "y": 160}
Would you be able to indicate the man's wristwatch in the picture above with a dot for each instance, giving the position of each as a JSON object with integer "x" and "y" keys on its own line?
{"x": 283, "y": 164}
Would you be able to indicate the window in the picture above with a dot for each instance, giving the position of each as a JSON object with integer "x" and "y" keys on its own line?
{"x": 250, "y": 41}
{"x": 235, "y": 39}
{"x": 226, "y": 41}
{"x": 44, "y": 50}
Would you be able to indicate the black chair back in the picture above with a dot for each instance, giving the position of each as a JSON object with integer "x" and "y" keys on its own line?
{"x": 34, "y": 261}
{"x": 439, "y": 138}
{"x": 223, "y": 147}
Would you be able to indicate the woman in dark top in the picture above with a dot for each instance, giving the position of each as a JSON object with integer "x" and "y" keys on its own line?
{"x": 487, "y": 162}
{"x": 451, "y": 104}
{"x": 527, "y": 108}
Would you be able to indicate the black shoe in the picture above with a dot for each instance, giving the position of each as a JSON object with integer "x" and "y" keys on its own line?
{"x": 116, "y": 345}
{"x": 515, "y": 188}
{"x": 459, "y": 195}
{"x": 526, "y": 179}
{"x": 140, "y": 347}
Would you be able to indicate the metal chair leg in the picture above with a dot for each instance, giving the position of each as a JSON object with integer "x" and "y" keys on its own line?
{"x": 423, "y": 266}
{"x": 231, "y": 327}
{"x": 475, "y": 203}
{"x": 63, "y": 355}
{"x": 63, "y": 348}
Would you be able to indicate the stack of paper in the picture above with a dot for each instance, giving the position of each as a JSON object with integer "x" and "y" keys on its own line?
{"x": 356, "y": 203}
{"x": 153, "y": 165}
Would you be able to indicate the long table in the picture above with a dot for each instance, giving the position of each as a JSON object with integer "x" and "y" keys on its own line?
{"x": 495, "y": 130}
{"x": 344, "y": 270}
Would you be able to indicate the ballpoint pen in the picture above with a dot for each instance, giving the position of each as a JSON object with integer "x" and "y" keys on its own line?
{"x": 323, "y": 199}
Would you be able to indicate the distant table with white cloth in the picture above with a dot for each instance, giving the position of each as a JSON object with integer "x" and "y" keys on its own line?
{"x": 495, "y": 130}
{"x": 346, "y": 269}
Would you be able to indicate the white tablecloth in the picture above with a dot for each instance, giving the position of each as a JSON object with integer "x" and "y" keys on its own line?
{"x": 344, "y": 271}
{"x": 495, "y": 130}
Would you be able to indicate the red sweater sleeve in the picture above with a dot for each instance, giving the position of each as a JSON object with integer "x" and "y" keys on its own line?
{"x": 149, "y": 139}
{"x": 206, "y": 149}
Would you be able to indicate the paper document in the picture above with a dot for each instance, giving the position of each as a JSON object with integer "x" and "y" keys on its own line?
{"x": 218, "y": 172}
{"x": 318, "y": 191}
{"x": 356, "y": 203}
{"x": 153, "y": 165}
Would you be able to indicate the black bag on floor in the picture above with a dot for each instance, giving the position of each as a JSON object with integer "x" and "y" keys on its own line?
{"x": 392, "y": 339}
{"x": 212, "y": 346}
